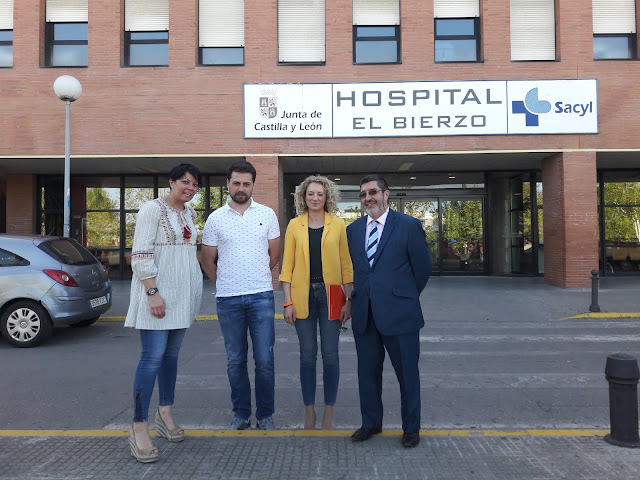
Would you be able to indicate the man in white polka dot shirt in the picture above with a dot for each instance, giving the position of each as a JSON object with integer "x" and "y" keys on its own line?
{"x": 240, "y": 247}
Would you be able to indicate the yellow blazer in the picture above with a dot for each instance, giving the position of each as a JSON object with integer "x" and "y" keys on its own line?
{"x": 336, "y": 262}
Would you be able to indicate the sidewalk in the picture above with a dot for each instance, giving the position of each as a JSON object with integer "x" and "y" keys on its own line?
{"x": 323, "y": 457}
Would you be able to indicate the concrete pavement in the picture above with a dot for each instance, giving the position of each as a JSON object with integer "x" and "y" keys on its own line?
{"x": 438, "y": 457}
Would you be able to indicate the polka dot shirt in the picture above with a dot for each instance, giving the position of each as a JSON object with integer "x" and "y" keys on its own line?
{"x": 243, "y": 248}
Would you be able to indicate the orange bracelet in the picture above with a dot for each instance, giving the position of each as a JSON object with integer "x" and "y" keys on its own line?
{"x": 287, "y": 304}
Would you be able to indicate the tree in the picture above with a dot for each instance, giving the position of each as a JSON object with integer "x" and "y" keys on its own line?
{"x": 103, "y": 227}
{"x": 622, "y": 212}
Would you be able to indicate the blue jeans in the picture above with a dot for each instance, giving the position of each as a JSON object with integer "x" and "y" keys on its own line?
{"x": 159, "y": 359}
{"x": 237, "y": 315}
{"x": 307, "y": 329}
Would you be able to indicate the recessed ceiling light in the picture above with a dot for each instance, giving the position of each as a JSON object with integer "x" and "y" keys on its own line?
{"x": 405, "y": 166}
{"x": 337, "y": 179}
{"x": 412, "y": 178}
{"x": 451, "y": 175}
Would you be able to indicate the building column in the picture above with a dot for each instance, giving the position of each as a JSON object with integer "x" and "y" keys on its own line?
{"x": 570, "y": 219}
{"x": 267, "y": 190}
{"x": 21, "y": 203}
{"x": 3, "y": 207}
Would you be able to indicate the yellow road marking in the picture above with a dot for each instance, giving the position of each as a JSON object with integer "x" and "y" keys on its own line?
{"x": 603, "y": 315}
{"x": 209, "y": 318}
{"x": 199, "y": 318}
{"x": 315, "y": 433}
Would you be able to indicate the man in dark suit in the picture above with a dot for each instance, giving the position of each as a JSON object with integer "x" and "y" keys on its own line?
{"x": 391, "y": 266}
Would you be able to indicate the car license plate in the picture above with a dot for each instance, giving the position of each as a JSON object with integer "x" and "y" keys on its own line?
{"x": 96, "y": 302}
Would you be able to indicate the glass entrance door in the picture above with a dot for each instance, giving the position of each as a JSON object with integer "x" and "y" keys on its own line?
{"x": 427, "y": 211}
{"x": 453, "y": 227}
{"x": 454, "y": 231}
{"x": 462, "y": 240}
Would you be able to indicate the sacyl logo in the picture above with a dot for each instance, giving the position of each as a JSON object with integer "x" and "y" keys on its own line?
{"x": 531, "y": 107}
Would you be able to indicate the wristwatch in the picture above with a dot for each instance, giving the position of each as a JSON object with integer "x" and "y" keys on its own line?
{"x": 348, "y": 299}
{"x": 152, "y": 291}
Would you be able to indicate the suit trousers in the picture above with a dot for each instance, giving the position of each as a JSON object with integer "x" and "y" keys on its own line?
{"x": 404, "y": 353}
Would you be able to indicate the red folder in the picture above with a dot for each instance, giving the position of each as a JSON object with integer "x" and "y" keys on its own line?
{"x": 337, "y": 300}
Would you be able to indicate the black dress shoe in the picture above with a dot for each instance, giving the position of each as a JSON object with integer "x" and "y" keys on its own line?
{"x": 364, "y": 433}
{"x": 410, "y": 440}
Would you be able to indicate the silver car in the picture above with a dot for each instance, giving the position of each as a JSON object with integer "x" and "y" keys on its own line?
{"x": 48, "y": 281}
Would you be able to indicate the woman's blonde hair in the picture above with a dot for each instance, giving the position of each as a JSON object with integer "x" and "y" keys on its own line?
{"x": 330, "y": 190}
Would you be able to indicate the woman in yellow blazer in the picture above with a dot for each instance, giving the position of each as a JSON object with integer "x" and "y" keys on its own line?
{"x": 316, "y": 255}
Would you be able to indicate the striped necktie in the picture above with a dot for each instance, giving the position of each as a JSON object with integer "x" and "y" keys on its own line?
{"x": 372, "y": 243}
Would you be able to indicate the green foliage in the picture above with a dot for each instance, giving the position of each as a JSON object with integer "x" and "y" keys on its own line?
{"x": 622, "y": 212}
{"x": 103, "y": 228}
{"x": 462, "y": 221}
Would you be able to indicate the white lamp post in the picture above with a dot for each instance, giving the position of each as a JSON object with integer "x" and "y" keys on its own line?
{"x": 68, "y": 89}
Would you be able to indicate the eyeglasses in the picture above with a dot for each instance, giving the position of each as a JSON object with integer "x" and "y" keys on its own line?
{"x": 186, "y": 183}
{"x": 372, "y": 193}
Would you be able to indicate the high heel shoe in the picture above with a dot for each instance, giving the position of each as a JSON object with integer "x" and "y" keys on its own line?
{"x": 174, "y": 436}
{"x": 143, "y": 455}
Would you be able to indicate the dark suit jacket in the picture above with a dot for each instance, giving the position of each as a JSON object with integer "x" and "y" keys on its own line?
{"x": 400, "y": 271}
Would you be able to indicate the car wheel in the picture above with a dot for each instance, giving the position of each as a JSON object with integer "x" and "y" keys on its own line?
{"x": 85, "y": 323}
{"x": 26, "y": 324}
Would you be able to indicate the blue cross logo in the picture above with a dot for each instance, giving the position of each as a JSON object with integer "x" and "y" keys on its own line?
{"x": 531, "y": 107}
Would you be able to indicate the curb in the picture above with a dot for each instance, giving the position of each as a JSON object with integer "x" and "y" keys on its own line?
{"x": 316, "y": 433}
{"x": 603, "y": 315}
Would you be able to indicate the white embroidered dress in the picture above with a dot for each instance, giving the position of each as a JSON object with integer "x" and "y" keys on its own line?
{"x": 161, "y": 250}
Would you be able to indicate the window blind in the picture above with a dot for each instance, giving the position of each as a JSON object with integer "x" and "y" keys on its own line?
{"x": 614, "y": 16}
{"x": 67, "y": 11}
{"x": 533, "y": 31}
{"x": 456, "y": 8}
{"x": 6, "y": 14}
{"x": 376, "y": 12}
{"x": 301, "y": 31}
{"x": 221, "y": 23}
{"x": 146, "y": 15}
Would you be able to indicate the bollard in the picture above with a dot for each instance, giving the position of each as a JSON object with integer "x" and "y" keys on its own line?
{"x": 594, "y": 307}
{"x": 622, "y": 374}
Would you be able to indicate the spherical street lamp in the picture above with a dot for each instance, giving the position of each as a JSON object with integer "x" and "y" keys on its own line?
{"x": 68, "y": 89}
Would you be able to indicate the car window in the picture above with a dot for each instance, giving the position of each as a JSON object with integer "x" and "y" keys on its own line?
{"x": 68, "y": 251}
{"x": 10, "y": 259}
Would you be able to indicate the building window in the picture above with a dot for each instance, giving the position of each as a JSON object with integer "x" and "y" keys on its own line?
{"x": 619, "y": 202}
{"x": 146, "y": 39}
{"x": 6, "y": 33}
{"x": 66, "y": 33}
{"x": 221, "y": 32}
{"x": 376, "y": 31}
{"x": 221, "y": 56}
{"x": 533, "y": 30}
{"x": 379, "y": 44}
{"x": 614, "y": 29}
{"x": 457, "y": 30}
{"x": 6, "y": 48}
{"x": 146, "y": 49}
{"x": 301, "y": 31}
{"x": 614, "y": 47}
{"x": 457, "y": 40}
{"x": 66, "y": 44}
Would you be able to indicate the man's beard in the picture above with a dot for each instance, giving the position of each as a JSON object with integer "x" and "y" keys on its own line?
{"x": 240, "y": 199}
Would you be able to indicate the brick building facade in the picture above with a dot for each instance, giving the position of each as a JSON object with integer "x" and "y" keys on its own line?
{"x": 141, "y": 120}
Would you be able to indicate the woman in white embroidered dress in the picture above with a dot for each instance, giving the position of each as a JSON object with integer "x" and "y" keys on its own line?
{"x": 166, "y": 290}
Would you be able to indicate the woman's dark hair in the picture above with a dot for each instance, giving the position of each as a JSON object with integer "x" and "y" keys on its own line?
{"x": 241, "y": 166}
{"x": 178, "y": 172}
